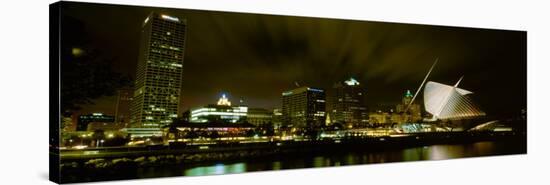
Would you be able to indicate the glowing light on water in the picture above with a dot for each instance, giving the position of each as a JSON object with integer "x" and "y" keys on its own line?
{"x": 216, "y": 169}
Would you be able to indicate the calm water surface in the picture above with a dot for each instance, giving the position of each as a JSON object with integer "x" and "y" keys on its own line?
{"x": 434, "y": 152}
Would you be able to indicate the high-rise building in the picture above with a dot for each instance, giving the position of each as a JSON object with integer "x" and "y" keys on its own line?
{"x": 122, "y": 111}
{"x": 159, "y": 71}
{"x": 66, "y": 124}
{"x": 277, "y": 118}
{"x": 348, "y": 104}
{"x": 304, "y": 107}
{"x": 407, "y": 98}
{"x": 410, "y": 111}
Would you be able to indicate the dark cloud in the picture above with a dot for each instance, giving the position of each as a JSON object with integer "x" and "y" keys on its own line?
{"x": 256, "y": 57}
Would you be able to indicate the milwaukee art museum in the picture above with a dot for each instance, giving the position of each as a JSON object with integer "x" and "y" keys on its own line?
{"x": 447, "y": 102}
{"x": 452, "y": 108}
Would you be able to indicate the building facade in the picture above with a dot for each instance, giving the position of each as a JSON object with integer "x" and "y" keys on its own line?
{"x": 348, "y": 104}
{"x": 104, "y": 126}
{"x": 259, "y": 117}
{"x": 85, "y": 120}
{"x": 122, "y": 110}
{"x": 277, "y": 118}
{"x": 222, "y": 112}
{"x": 411, "y": 111}
{"x": 379, "y": 118}
{"x": 157, "y": 91}
{"x": 304, "y": 107}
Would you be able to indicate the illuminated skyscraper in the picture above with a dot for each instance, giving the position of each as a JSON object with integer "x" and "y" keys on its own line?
{"x": 413, "y": 113}
{"x": 159, "y": 71}
{"x": 407, "y": 98}
{"x": 348, "y": 105}
{"x": 277, "y": 118}
{"x": 304, "y": 107}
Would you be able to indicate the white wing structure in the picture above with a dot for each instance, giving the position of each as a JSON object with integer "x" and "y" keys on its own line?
{"x": 447, "y": 102}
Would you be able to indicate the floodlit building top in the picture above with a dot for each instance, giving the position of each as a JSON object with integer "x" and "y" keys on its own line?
{"x": 301, "y": 90}
{"x": 351, "y": 82}
{"x": 224, "y": 101}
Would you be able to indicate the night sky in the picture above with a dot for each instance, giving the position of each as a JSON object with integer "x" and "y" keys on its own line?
{"x": 256, "y": 57}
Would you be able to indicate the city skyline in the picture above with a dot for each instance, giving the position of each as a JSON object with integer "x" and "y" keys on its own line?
{"x": 387, "y": 64}
{"x": 155, "y": 92}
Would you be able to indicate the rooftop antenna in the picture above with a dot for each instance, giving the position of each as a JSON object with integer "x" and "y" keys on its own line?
{"x": 422, "y": 84}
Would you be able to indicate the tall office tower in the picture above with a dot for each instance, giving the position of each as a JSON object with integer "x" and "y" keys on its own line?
{"x": 277, "y": 118}
{"x": 124, "y": 100}
{"x": 159, "y": 71}
{"x": 304, "y": 107}
{"x": 413, "y": 113}
{"x": 348, "y": 104}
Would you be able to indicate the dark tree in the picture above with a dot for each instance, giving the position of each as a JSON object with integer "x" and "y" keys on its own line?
{"x": 250, "y": 133}
{"x": 312, "y": 133}
{"x": 214, "y": 135}
{"x": 267, "y": 129}
{"x": 116, "y": 141}
{"x": 269, "y": 132}
{"x": 191, "y": 135}
{"x": 85, "y": 73}
{"x": 98, "y": 134}
{"x": 337, "y": 126}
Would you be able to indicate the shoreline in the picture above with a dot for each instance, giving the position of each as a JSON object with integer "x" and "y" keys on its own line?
{"x": 99, "y": 169}
{"x": 128, "y": 168}
{"x": 356, "y": 143}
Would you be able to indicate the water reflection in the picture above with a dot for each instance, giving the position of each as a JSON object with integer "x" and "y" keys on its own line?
{"x": 276, "y": 165}
{"x": 434, "y": 152}
{"x": 340, "y": 158}
{"x": 216, "y": 169}
{"x": 308, "y": 160}
{"x": 438, "y": 152}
